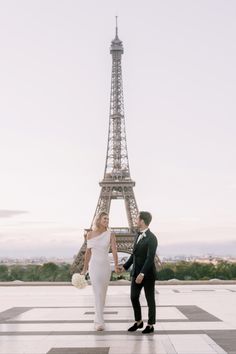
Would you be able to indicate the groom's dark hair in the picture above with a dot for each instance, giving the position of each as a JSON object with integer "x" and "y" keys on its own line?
{"x": 145, "y": 216}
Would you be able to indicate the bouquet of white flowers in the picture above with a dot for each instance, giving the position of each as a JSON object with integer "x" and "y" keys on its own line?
{"x": 79, "y": 281}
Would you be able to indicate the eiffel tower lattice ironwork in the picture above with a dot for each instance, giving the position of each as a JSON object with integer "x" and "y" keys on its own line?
{"x": 117, "y": 182}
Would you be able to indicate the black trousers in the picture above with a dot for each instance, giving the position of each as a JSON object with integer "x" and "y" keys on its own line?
{"x": 149, "y": 290}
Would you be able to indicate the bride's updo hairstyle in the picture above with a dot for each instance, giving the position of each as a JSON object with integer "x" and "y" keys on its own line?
{"x": 97, "y": 220}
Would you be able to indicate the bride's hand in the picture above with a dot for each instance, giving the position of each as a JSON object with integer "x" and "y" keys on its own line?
{"x": 117, "y": 269}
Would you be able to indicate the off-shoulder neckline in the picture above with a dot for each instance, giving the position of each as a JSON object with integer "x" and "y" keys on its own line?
{"x": 96, "y": 235}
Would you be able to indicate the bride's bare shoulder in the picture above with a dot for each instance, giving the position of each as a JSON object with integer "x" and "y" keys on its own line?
{"x": 89, "y": 235}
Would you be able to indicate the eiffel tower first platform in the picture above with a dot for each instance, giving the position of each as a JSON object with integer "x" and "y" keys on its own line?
{"x": 117, "y": 182}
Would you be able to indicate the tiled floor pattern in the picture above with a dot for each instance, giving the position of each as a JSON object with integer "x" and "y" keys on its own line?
{"x": 191, "y": 319}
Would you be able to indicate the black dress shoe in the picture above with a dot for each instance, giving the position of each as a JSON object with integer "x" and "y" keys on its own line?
{"x": 135, "y": 327}
{"x": 148, "y": 329}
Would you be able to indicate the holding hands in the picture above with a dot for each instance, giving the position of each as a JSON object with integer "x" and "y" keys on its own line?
{"x": 117, "y": 269}
{"x": 120, "y": 269}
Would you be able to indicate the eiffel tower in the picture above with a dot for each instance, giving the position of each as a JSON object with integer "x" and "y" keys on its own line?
{"x": 117, "y": 182}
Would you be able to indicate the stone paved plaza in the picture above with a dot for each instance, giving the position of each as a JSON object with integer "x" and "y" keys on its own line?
{"x": 191, "y": 319}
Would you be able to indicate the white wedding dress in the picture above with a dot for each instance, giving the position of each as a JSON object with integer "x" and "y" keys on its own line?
{"x": 99, "y": 272}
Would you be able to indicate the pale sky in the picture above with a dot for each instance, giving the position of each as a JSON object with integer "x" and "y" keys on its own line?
{"x": 179, "y": 82}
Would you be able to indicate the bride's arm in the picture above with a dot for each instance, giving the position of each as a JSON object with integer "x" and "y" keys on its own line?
{"x": 87, "y": 257}
{"x": 114, "y": 252}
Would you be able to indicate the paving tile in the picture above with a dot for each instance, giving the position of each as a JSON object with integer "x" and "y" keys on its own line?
{"x": 191, "y": 344}
{"x": 88, "y": 350}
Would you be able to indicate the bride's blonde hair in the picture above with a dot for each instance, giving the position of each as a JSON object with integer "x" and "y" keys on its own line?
{"x": 97, "y": 220}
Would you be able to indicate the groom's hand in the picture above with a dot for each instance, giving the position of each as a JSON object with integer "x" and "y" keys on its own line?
{"x": 121, "y": 269}
{"x": 139, "y": 278}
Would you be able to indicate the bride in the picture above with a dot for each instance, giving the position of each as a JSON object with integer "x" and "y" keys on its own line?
{"x": 96, "y": 261}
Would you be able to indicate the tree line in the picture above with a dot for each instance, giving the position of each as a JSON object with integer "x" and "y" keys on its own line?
{"x": 197, "y": 271}
{"x": 178, "y": 270}
{"x": 34, "y": 272}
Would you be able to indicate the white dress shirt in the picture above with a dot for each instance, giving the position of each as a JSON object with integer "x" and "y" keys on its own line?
{"x": 142, "y": 235}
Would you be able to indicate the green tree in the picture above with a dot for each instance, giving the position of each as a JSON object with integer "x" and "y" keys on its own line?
{"x": 32, "y": 273}
{"x": 223, "y": 270}
{"x": 182, "y": 270}
{"x": 201, "y": 271}
{"x": 233, "y": 270}
{"x": 17, "y": 272}
{"x": 63, "y": 273}
{"x": 4, "y": 273}
{"x": 48, "y": 271}
{"x": 165, "y": 273}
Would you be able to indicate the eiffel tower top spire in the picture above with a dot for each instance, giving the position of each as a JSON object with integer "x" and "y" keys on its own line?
{"x": 116, "y": 26}
{"x": 116, "y": 44}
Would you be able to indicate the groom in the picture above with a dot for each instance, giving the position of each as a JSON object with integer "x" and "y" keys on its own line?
{"x": 143, "y": 272}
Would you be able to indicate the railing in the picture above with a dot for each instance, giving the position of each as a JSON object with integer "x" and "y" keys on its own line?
{"x": 122, "y": 230}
